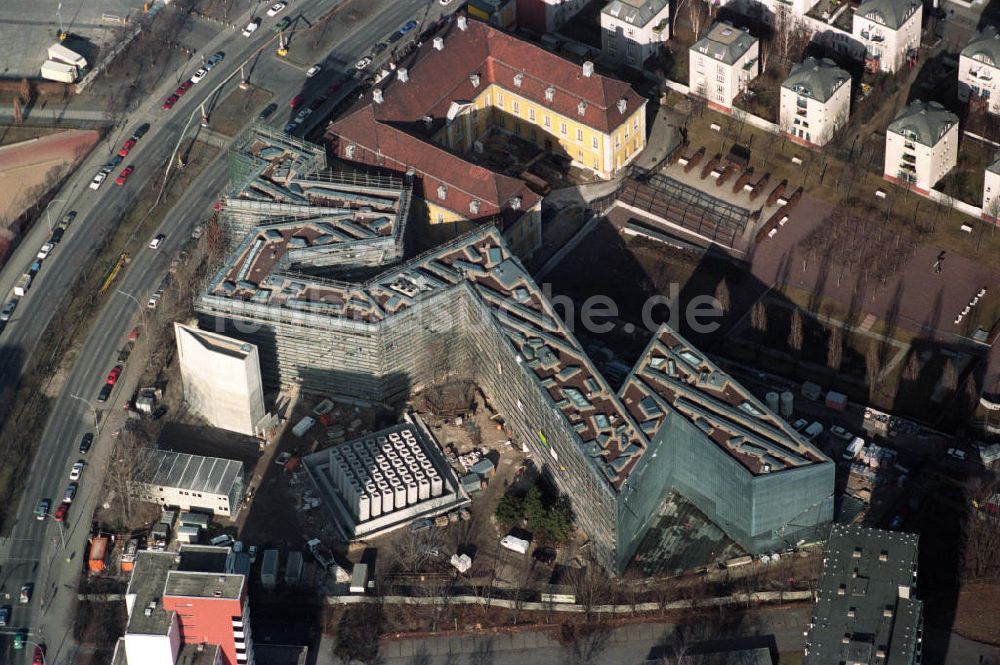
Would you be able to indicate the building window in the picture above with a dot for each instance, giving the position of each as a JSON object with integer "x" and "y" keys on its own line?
{"x": 547, "y": 121}
{"x": 593, "y": 142}
{"x": 626, "y": 130}
{"x": 618, "y": 141}
{"x": 579, "y": 135}
{"x": 635, "y": 123}
{"x": 531, "y": 115}
{"x": 516, "y": 106}
{"x": 562, "y": 128}
{"x": 579, "y": 156}
{"x": 500, "y": 100}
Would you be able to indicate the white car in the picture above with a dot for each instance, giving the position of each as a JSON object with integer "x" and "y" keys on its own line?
{"x": 199, "y": 75}
{"x": 251, "y": 27}
{"x": 156, "y": 241}
{"x": 98, "y": 180}
{"x": 302, "y": 115}
{"x": 75, "y": 472}
{"x": 313, "y": 71}
{"x": 70, "y": 493}
{"x": 276, "y": 8}
{"x": 841, "y": 433}
{"x": 43, "y": 253}
{"x": 8, "y": 311}
{"x": 956, "y": 453}
{"x": 363, "y": 62}
{"x": 153, "y": 300}
{"x": 445, "y": 2}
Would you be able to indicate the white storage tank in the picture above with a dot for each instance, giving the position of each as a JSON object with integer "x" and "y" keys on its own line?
{"x": 771, "y": 399}
{"x": 787, "y": 403}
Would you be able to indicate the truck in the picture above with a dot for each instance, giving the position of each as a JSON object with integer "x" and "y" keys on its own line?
{"x": 854, "y": 448}
{"x": 303, "y": 426}
{"x": 322, "y": 554}
{"x": 359, "y": 578}
{"x": 515, "y": 544}
{"x": 22, "y": 284}
{"x": 59, "y": 71}
{"x": 128, "y": 556}
{"x": 269, "y": 569}
{"x": 293, "y": 569}
{"x": 100, "y": 552}
{"x": 59, "y": 53}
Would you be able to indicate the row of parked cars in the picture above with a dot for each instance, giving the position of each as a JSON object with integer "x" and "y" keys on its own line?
{"x": 115, "y": 161}
{"x": 182, "y": 89}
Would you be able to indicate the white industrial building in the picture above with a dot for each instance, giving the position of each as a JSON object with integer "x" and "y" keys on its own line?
{"x": 221, "y": 379}
{"x": 632, "y": 30}
{"x": 722, "y": 64}
{"x": 889, "y": 30}
{"x": 384, "y": 480}
{"x": 979, "y": 70}
{"x": 815, "y": 101}
{"x": 193, "y": 482}
{"x": 921, "y": 145}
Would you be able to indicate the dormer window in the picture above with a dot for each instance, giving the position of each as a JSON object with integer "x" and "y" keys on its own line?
{"x": 474, "y": 206}
{"x": 474, "y": 80}
{"x": 518, "y": 79}
{"x": 581, "y": 108}
{"x": 550, "y": 93}
{"x": 349, "y": 151}
{"x": 515, "y": 203}
{"x": 622, "y": 105}
{"x": 442, "y": 192}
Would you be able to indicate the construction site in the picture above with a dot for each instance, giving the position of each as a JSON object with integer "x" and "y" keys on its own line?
{"x": 469, "y": 310}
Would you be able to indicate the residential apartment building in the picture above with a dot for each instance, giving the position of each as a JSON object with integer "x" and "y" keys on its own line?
{"x": 722, "y": 64}
{"x": 815, "y": 101}
{"x": 889, "y": 31}
{"x": 991, "y": 190}
{"x": 866, "y": 606}
{"x": 192, "y": 482}
{"x": 979, "y": 70}
{"x": 471, "y": 82}
{"x": 544, "y": 16}
{"x": 187, "y": 608}
{"x": 921, "y": 145}
{"x": 633, "y": 30}
{"x": 783, "y": 13}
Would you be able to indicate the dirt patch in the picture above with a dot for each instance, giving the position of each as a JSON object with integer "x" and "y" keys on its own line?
{"x": 231, "y": 115}
{"x": 15, "y": 133}
{"x": 977, "y": 612}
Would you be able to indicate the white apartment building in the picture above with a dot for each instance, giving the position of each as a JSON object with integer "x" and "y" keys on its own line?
{"x": 921, "y": 145}
{"x": 632, "y": 30}
{"x": 773, "y": 12}
{"x": 193, "y": 482}
{"x": 991, "y": 190}
{"x": 815, "y": 101}
{"x": 722, "y": 64}
{"x": 979, "y": 70}
{"x": 889, "y": 30}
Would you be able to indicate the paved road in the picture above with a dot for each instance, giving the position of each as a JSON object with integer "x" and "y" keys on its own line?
{"x": 34, "y": 552}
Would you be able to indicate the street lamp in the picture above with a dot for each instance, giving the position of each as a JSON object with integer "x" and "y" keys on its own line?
{"x": 62, "y": 33}
{"x": 48, "y": 213}
{"x": 142, "y": 310}
{"x": 62, "y": 535}
{"x": 97, "y": 423}
{"x": 41, "y": 647}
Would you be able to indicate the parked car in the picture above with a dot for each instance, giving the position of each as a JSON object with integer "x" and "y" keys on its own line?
{"x": 334, "y": 87}
{"x": 276, "y": 8}
{"x": 123, "y": 176}
{"x": 545, "y": 555}
{"x": 113, "y": 375}
{"x": 184, "y": 87}
{"x": 75, "y": 472}
{"x": 126, "y": 147}
{"x": 98, "y": 180}
{"x": 199, "y": 75}
{"x": 19, "y": 638}
{"x": 251, "y": 27}
{"x": 841, "y": 433}
{"x": 363, "y": 62}
{"x": 105, "y": 392}
{"x": 267, "y": 111}
{"x": 86, "y": 442}
{"x": 158, "y": 412}
{"x": 421, "y": 524}
{"x": 291, "y": 127}
{"x": 157, "y": 240}
{"x": 313, "y": 71}
{"x": 303, "y": 114}
{"x": 153, "y": 300}
{"x": 282, "y": 24}
{"x": 296, "y": 101}
{"x": 39, "y": 655}
{"x": 169, "y": 102}
{"x": 4, "y": 615}
{"x": 799, "y": 424}
{"x": 8, "y": 311}
{"x": 70, "y": 492}
{"x": 42, "y": 509}
{"x": 26, "y": 590}
{"x": 61, "y": 512}
{"x": 140, "y": 131}
{"x": 956, "y": 453}
{"x": 113, "y": 163}
{"x": 215, "y": 59}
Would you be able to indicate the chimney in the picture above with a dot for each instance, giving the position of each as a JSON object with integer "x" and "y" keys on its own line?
{"x": 588, "y": 69}
{"x": 377, "y": 96}
{"x": 402, "y": 74}
{"x": 439, "y": 43}
{"x": 474, "y": 80}
{"x": 622, "y": 105}
{"x": 463, "y": 23}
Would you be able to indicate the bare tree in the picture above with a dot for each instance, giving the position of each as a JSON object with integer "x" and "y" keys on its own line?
{"x": 835, "y": 347}
{"x": 795, "y": 334}
{"x": 723, "y": 297}
{"x": 18, "y": 112}
{"x": 873, "y": 367}
{"x": 587, "y": 645}
{"x": 698, "y": 12}
{"x": 980, "y": 532}
{"x": 911, "y": 371}
{"x": 949, "y": 375}
{"x": 133, "y": 461}
{"x": 758, "y": 317}
{"x": 592, "y": 588}
{"x": 415, "y": 551}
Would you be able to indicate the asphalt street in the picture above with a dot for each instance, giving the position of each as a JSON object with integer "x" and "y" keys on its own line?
{"x": 33, "y": 551}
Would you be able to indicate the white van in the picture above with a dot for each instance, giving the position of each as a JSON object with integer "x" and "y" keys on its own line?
{"x": 222, "y": 540}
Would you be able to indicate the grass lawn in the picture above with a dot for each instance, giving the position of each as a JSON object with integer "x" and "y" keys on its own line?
{"x": 232, "y": 114}
{"x": 15, "y": 134}
{"x": 965, "y": 181}
{"x": 790, "y": 657}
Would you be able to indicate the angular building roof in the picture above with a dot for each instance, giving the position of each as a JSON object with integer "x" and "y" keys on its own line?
{"x": 194, "y": 473}
{"x": 816, "y": 79}
{"x": 725, "y": 43}
{"x": 890, "y": 13}
{"x": 923, "y": 122}
{"x": 636, "y": 12}
{"x": 984, "y": 46}
{"x": 866, "y": 610}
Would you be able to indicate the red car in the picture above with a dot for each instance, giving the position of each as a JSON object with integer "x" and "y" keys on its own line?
{"x": 39, "y": 655}
{"x": 126, "y": 147}
{"x": 296, "y": 101}
{"x": 113, "y": 375}
{"x": 219, "y": 204}
{"x": 333, "y": 87}
{"x": 123, "y": 176}
{"x": 170, "y": 101}
{"x": 61, "y": 511}
{"x": 183, "y": 88}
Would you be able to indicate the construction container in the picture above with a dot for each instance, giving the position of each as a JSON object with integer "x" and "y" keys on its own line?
{"x": 293, "y": 569}
{"x": 100, "y": 552}
{"x": 484, "y": 468}
{"x": 200, "y": 520}
{"x": 128, "y": 556}
{"x": 188, "y": 533}
{"x": 269, "y": 569}
{"x": 836, "y": 401}
{"x": 359, "y": 578}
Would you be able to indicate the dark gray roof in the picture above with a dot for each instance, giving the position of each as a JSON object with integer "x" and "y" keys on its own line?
{"x": 891, "y": 13}
{"x": 866, "y": 610}
{"x": 636, "y": 12}
{"x": 725, "y": 43}
{"x": 816, "y": 79}
{"x": 984, "y": 46}
{"x": 923, "y": 122}
{"x": 194, "y": 473}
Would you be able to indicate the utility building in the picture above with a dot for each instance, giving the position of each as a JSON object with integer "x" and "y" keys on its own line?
{"x": 192, "y": 482}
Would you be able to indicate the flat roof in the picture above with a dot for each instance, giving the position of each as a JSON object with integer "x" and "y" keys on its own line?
{"x": 194, "y": 473}
{"x": 203, "y": 585}
{"x": 866, "y": 607}
{"x": 198, "y": 654}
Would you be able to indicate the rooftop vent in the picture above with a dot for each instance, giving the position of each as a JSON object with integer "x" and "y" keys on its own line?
{"x": 439, "y": 43}
{"x": 883, "y": 555}
{"x": 474, "y": 80}
{"x": 857, "y": 553}
{"x": 588, "y": 69}
{"x": 581, "y": 108}
{"x": 442, "y": 192}
{"x": 402, "y": 74}
{"x": 550, "y": 93}
{"x": 428, "y": 120}
{"x": 622, "y": 105}
{"x": 377, "y": 95}
{"x": 518, "y": 79}
{"x": 474, "y": 206}
{"x": 463, "y": 23}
